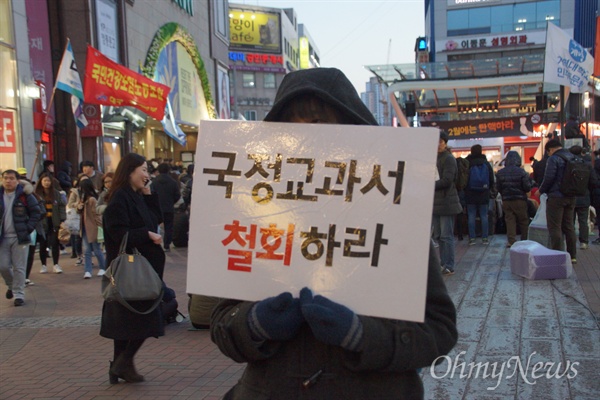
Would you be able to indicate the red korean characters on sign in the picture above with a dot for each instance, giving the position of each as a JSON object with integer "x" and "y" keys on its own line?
{"x": 94, "y": 118}
{"x": 7, "y": 131}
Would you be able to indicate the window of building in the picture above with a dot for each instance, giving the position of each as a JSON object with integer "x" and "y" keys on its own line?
{"x": 250, "y": 115}
{"x": 248, "y": 80}
{"x": 503, "y": 18}
{"x": 221, "y": 18}
{"x": 269, "y": 80}
{"x": 6, "y": 31}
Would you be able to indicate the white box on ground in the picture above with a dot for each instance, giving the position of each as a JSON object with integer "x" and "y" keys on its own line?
{"x": 345, "y": 210}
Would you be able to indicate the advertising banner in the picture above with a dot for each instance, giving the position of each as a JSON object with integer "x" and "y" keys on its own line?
{"x": 255, "y": 31}
{"x": 344, "y": 210}
{"x": 494, "y": 127}
{"x": 567, "y": 63}
{"x": 93, "y": 115}
{"x": 110, "y": 84}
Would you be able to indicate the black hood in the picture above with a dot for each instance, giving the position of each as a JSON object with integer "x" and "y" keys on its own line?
{"x": 328, "y": 84}
{"x": 65, "y": 166}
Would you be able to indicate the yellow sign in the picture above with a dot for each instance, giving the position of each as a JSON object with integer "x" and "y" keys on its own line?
{"x": 304, "y": 53}
{"x": 256, "y": 31}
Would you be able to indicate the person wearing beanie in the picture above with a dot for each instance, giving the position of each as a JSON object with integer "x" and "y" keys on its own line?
{"x": 307, "y": 346}
{"x": 446, "y": 204}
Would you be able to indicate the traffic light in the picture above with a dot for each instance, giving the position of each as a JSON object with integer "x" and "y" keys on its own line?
{"x": 421, "y": 44}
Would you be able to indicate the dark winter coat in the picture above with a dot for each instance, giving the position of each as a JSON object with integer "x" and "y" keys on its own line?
{"x": 128, "y": 211}
{"x": 596, "y": 191}
{"x": 586, "y": 201}
{"x": 445, "y": 200}
{"x": 64, "y": 176}
{"x": 539, "y": 169}
{"x": 59, "y": 211}
{"x": 474, "y": 197}
{"x": 168, "y": 192}
{"x": 512, "y": 181}
{"x": 555, "y": 169}
{"x": 26, "y": 214}
{"x": 385, "y": 368}
{"x": 391, "y": 350}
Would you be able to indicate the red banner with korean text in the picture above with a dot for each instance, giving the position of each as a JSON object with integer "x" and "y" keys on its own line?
{"x": 112, "y": 84}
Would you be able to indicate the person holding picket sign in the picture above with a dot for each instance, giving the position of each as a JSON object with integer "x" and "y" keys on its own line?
{"x": 477, "y": 193}
{"x": 309, "y": 346}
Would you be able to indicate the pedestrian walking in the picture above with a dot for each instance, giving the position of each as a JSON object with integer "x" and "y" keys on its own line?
{"x": 55, "y": 213}
{"x": 132, "y": 208}
{"x": 90, "y": 222}
{"x": 20, "y": 213}
{"x": 583, "y": 203}
{"x": 310, "y": 346}
{"x": 513, "y": 184}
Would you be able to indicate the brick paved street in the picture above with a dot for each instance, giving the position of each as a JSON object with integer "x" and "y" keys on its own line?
{"x": 50, "y": 348}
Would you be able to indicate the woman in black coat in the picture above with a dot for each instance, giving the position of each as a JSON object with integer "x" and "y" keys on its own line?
{"x": 131, "y": 209}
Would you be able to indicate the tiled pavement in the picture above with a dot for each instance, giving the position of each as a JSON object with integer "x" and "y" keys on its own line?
{"x": 50, "y": 348}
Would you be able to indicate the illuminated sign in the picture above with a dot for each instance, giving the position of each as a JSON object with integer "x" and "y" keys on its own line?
{"x": 7, "y": 131}
{"x": 304, "y": 53}
{"x": 255, "y": 30}
{"x": 250, "y": 58}
{"x": 492, "y": 41}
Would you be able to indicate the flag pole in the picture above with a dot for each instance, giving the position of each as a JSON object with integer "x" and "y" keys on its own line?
{"x": 38, "y": 149}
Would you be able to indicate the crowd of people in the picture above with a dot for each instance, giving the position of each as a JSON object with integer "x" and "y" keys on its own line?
{"x": 291, "y": 344}
{"x": 518, "y": 195}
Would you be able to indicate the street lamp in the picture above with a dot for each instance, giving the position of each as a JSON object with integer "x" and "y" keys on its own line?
{"x": 586, "y": 106}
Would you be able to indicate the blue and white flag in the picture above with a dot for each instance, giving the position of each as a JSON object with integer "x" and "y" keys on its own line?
{"x": 68, "y": 80}
{"x": 567, "y": 62}
{"x": 170, "y": 126}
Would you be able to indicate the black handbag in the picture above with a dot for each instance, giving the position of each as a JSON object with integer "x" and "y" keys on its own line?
{"x": 130, "y": 277}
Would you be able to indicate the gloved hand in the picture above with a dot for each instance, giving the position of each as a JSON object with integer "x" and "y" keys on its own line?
{"x": 275, "y": 318}
{"x": 330, "y": 322}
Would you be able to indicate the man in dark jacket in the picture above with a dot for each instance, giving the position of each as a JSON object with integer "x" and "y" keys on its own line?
{"x": 446, "y": 204}
{"x": 20, "y": 214}
{"x": 559, "y": 208}
{"x": 478, "y": 199}
{"x": 289, "y": 348}
{"x": 514, "y": 183}
{"x": 168, "y": 192}
{"x": 582, "y": 203}
{"x": 64, "y": 176}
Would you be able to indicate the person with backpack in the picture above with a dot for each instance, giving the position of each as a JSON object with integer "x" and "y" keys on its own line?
{"x": 560, "y": 207}
{"x": 582, "y": 203}
{"x": 477, "y": 193}
{"x": 514, "y": 184}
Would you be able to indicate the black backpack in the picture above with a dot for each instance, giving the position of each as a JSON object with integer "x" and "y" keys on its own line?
{"x": 462, "y": 174}
{"x": 576, "y": 178}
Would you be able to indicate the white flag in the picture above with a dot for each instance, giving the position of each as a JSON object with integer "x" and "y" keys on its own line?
{"x": 68, "y": 80}
{"x": 170, "y": 126}
{"x": 567, "y": 63}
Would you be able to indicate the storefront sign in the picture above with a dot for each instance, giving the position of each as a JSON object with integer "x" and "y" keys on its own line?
{"x": 94, "y": 118}
{"x": 107, "y": 29}
{"x": 492, "y": 41}
{"x": 255, "y": 30}
{"x": 497, "y": 127}
{"x": 304, "y": 53}
{"x": 40, "y": 57}
{"x": 258, "y": 69}
{"x": 251, "y": 58}
{"x": 7, "y": 131}
{"x": 278, "y": 206}
{"x": 108, "y": 83}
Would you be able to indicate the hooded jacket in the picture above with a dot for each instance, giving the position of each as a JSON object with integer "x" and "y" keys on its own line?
{"x": 26, "y": 213}
{"x": 391, "y": 350}
{"x": 512, "y": 180}
{"x": 445, "y": 198}
{"x": 64, "y": 176}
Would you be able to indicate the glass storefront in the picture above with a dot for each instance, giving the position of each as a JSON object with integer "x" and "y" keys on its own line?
{"x": 10, "y": 136}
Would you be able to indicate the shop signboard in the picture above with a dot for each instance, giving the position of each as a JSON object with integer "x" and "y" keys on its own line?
{"x": 107, "y": 28}
{"x": 7, "y": 131}
{"x": 94, "y": 118}
{"x": 494, "y": 127}
{"x": 491, "y": 42}
{"x": 252, "y": 30}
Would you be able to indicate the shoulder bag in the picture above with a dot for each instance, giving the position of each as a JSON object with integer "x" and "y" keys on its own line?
{"x": 130, "y": 277}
